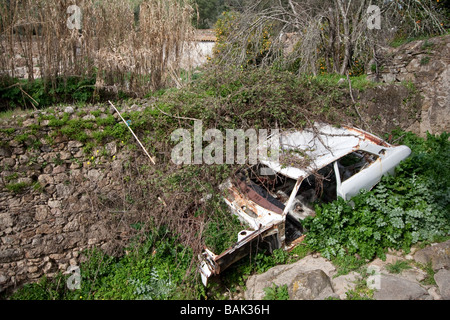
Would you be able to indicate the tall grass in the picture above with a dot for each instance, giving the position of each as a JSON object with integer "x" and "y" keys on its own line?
{"x": 133, "y": 46}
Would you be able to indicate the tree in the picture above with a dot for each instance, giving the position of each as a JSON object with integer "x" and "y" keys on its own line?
{"x": 207, "y": 12}
{"x": 334, "y": 34}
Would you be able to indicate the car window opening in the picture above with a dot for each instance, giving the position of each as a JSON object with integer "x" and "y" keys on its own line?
{"x": 318, "y": 187}
{"x": 355, "y": 162}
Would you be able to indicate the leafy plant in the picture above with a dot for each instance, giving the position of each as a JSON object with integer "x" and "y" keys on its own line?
{"x": 156, "y": 288}
{"x": 424, "y": 61}
{"x": 17, "y": 187}
{"x": 44, "y": 289}
{"x": 276, "y": 292}
{"x": 398, "y": 266}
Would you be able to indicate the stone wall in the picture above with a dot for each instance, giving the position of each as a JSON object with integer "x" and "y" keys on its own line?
{"x": 56, "y": 199}
{"x": 425, "y": 64}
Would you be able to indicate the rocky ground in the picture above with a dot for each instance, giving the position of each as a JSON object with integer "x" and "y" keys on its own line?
{"x": 425, "y": 277}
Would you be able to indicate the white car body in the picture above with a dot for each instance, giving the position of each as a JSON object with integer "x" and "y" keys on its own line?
{"x": 317, "y": 166}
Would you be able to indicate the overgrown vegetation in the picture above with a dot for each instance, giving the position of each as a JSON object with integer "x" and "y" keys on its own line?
{"x": 154, "y": 270}
{"x": 400, "y": 211}
{"x": 180, "y": 206}
{"x": 40, "y": 94}
{"x": 276, "y": 292}
{"x": 315, "y": 37}
{"x": 77, "y": 51}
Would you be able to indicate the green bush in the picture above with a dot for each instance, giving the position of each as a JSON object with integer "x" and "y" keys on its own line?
{"x": 276, "y": 292}
{"x": 39, "y": 93}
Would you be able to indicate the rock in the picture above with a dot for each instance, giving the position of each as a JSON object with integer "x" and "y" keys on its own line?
{"x": 41, "y": 212}
{"x": 430, "y": 73}
{"x": 438, "y": 255}
{"x": 45, "y": 179}
{"x": 54, "y": 204}
{"x": 10, "y": 162}
{"x": 44, "y": 229}
{"x": 65, "y": 155}
{"x": 63, "y": 190}
{"x": 434, "y": 293}
{"x": 344, "y": 283}
{"x": 112, "y": 148}
{"x": 28, "y": 122}
{"x": 94, "y": 174}
{"x": 3, "y": 278}
{"x": 74, "y": 144}
{"x": 61, "y": 178}
{"x": 414, "y": 274}
{"x": 33, "y": 269}
{"x": 9, "y": 255}
{"x": 71, "y": 226}
{"x": 442, "y": 278}
{"x": 306, "y": 278}
{"x": 89, "y": 117}
{"x": 5, "y": 220}
{"x": 69, "y": 110}
{"x": 5, "y": 151}
{"x": 59, "y": 169}
{"x": 397, "y": 288}
{"x": 23, "y": 159}
{"x": 48, "y": 266}
{"x": 310, "y": 285}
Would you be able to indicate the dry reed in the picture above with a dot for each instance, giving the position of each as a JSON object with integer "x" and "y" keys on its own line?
{"x": 132, "y": 46}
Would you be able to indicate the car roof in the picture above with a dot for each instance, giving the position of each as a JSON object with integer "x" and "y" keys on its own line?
{"x": 309, "y": 150}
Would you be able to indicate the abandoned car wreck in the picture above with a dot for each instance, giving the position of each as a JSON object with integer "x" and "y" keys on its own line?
{"x": 315, "y": 165}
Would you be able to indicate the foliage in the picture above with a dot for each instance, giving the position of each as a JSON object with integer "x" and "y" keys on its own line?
{"x": 123, "y": 56}
{"x": 347, "y": 263}
{"x": 248, "y": 49}
{"x": 276, "y": 292}
{"x": 150, "y": 270}
{"x": 222, "y": 229}
{"x": 398, "y": 266}
{"x": 317, "y": 37}
{"x": 428, "y": 268}
{"x": 156, "y": 289}
{"x": 208, "y": 12}
{"x": 17, "y": 187}
{"x": 264, "y": 262}
{"x": 39, "y": 93}
{"x": 256, "y": 98}
{"x": 400, "y": 211}
{"x": 44, "y": 289}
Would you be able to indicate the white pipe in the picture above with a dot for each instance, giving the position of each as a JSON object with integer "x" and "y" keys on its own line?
{"x": 151, "y": 159}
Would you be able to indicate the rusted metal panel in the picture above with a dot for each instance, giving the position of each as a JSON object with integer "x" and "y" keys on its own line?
{"x": 369, "y": 137}
{"x": 252, "y": 195}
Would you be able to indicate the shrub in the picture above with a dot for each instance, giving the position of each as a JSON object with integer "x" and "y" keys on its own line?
{"x": 276, "y": 292}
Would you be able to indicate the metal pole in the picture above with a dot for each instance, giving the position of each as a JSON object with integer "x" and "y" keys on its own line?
{"x": 151, "y": 159}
